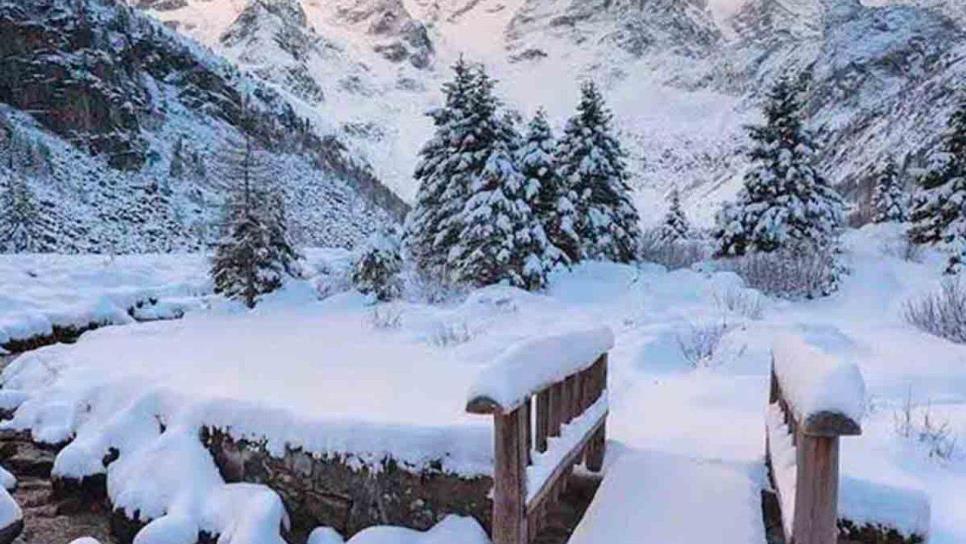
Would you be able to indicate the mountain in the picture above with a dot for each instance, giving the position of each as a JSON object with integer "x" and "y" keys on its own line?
{"x": 683, "y": 76}
{"x": 119, "y": 124}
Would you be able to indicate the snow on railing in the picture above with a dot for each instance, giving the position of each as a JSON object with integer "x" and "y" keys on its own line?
{"x": 814, "y": 400}
{"x": 537, "y": 443}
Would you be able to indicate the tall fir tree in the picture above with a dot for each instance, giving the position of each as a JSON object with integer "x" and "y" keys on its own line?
{"x": 549, "y": 196}
{"x": 938, "y": 211}
{"x": 591, "y": 161}
{"x": 442, "y": 174}
{"x": 23, "y": 227}
{"x": 889, "y": 200}
{"x": 500, "y": 239}
{"x": 785, "y": 202}
{"x": 253, "y": 255}
{"x": 675, "y": 226}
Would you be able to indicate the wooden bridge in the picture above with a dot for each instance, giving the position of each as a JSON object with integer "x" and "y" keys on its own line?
{"x": 548, "y": 421}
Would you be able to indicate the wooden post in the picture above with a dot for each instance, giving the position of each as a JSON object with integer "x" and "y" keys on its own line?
{"x": 816, "y": 490}
{"x": 556, "y": 408}
{"x": 565, "y": 389}
{"x": 528, "y": 429}
{"x": 509, "y": 478}
{"x": 543, "y": 420}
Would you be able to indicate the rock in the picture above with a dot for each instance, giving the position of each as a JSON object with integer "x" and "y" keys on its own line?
{"x": 10, "y": 533}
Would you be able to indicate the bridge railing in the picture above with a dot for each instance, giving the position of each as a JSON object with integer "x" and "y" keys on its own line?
{"x": 548, "y": 400}
{"x": 814, "y": 400}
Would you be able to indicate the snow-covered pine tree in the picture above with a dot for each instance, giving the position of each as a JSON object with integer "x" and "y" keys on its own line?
{"x": 889, "y": 199}
{"x": 442, "y": 176}
{"x": 377, "y": 269}
{"x": 501, "y": 239}
{"x": 253, "y": 255}
{"x": 785, "y": 204}
{"x": 591, "y": 161}
{"x": 549, "y": 196}
{"x": 675, "y": 226}
{"x": 23, "y": 228}
{"x": 937, "y": 215}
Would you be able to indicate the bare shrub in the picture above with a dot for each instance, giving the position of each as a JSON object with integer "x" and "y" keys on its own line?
{"x": 942, "y": 314}
{"x": 386, "y": 317}
{"x": 451, "y": 334}
{"x": 916, "y": 422}
{"x": 699, "y": 343}
{"x": 903, "y": 248}
{"x": 744, "y": 302}
{"x": 789, "y": 274}
{"x": 674, "y": 254}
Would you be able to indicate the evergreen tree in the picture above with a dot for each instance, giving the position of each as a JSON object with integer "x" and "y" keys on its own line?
{"x": 551, "y": 199}
{"x": 376, "y": 272}
{"x": 443, "y": 176}
{"x": 591, "y": 162}
{"x": 785, "y": 202}
{"x": 22, "y": 223}
{"x": 937, "y": 215}
{"x": 889, "y": 201}
{"x": 253, "y": 255}
{"x": 676, "y": 226}
{"x": 500, "y": 238}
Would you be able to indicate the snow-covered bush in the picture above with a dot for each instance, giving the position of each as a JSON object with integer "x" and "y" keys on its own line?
{"x": 676, "y": 225}
{"x": 386, "y": 317}
{"x": 788, "y": 274}
{"x": 376, "y": 272}
{"x": 937, "y": 213}
{"x": 700, "y": 341}
{"x": 744, "y": 302}
{"x": 673, "y": 253}
{"x": 942, "y": 313}
{"x": 450, "y": 334}
{"x": 889, "y": 199}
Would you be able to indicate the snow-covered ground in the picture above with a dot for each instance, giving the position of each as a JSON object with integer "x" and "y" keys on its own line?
{"x": 340, "y": 375}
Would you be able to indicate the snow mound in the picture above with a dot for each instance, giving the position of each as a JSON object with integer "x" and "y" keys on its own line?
{"x": 452, "y": 530}
{"x": 814, "y": 382}
{"x": 864, "y": 502}
{"x": 10, "y": 512}
{"x": 533, "y": 365}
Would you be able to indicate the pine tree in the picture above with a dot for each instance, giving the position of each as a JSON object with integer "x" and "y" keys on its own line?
{"x": 591, "y": 162}
{"x": 785, "y": 202}
{"x": 889, "y": 200}
{"x": 253, "y": 255}
{"x": 500, "y": 239}
{"x": 549, "y": 196}
{"x": 376, "y": 272}
{"x": 442, "y": 176}
{"x": 676, "y": 226}
{"x": 937, "y": 215}
{"x": 22, "y": 224}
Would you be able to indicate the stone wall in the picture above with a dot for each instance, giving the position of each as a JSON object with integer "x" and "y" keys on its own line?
{"x": 338, "y": 493}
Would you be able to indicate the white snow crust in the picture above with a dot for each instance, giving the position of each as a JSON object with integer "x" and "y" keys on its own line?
{"x": 813, "y": 381}
{"x": 533, "y": 365}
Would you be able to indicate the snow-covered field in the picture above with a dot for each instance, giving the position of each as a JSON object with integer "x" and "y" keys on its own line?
{"x": 340, "y": 375}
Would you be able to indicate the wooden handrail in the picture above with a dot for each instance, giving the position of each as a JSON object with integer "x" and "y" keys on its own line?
{"x": 815, "y": 437}
{"x": 565, "y": 425}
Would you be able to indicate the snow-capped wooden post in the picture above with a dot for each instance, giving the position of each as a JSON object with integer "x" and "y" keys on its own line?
{"x": 814, "y": 400}
{"x": 567, "y": 374}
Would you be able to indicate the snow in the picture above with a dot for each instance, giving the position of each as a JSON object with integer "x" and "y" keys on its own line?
{"x": 45, "y": 291}
{"x": 532, "y": 365}
{"x": 813, "y": 382}
{"x": 655, "y": 497}
{"x": 571, "y": 434}
{"x": 451, "y": 529}
{"x": 7, "y": 480}
{"x": 783, "y": 462}
{"x": 10, "y": 512}
{"x": 323, "y": 375}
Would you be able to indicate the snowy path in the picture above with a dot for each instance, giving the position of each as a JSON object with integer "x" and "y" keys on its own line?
{"x": 655, "y": 497}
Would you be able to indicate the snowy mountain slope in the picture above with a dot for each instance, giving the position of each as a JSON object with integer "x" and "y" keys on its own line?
{"x": 123, "y": 151}
{"x": 682, "y": 76}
